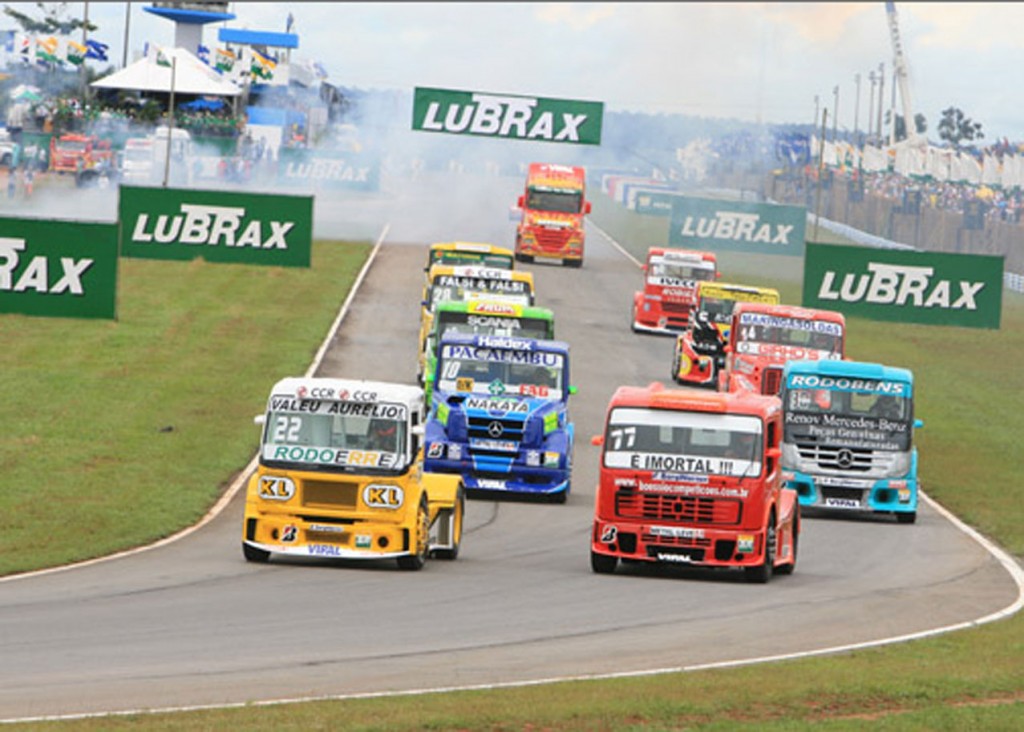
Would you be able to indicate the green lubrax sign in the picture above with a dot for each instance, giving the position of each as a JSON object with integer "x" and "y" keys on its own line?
{"x": 219, "y": 226}
{"x": 507, "y": 115}
{"x": 329, "y": 169}
{"x": 62, "y": 269}
{"x": 721, "y": 225}
{"x": 905, "y": 286}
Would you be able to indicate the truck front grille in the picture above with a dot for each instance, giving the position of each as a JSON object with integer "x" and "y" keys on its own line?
{"x": 840, "y": 458}
{"x": 675, "y": 508}
{"x": 486, "y": 428}
{"x": 771, "y": 380}
{"x": 329, "y": 494}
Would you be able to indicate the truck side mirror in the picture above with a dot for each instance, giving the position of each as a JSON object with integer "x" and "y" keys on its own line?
{"x": 572, "y": 389}
{"x": 520, "y": 201}
{"x": 727, "y": 349}
{"x": 773, "y": 452}
{"x": 597, "y": 440}
{"x": 918, "y": 424}
{"x": 259, "y": 419}
{"x": 586, "y": 207}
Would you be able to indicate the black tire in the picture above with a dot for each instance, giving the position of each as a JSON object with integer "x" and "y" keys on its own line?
{"x": 559, "y": 497}
{"x": 460, "y": 514}
{"x": 906, "y": 518}
{"x": 788, "y": 568}
{"x": 574, "y": 263}
{"x": 255, "y": 554}
{"x": 602, "y": 563}
{"x": 421, "y": 542}
{"x": 675, "y": 366}
{"x": 524, "y": 258}
{"x": 762, "y": 574}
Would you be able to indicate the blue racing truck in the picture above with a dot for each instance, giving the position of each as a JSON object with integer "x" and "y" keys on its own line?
{"x": 848, "y": 437}
{"x": 500, "y": 415}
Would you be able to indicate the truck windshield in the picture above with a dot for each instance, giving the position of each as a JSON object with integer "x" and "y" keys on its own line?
{"x": 813, "y": 335}
{"x": 354, "y": 437}
{"x": 856, "y": 413}
{"x": 718, "y": 309}
{"x": 689, "y": 443}
{"x": 462, "y": 322}
{"x": 659, "y": 270}
{"x": 71, "y": 146}
{"x": 551, "y": 199}
{"x": 501, "y": 372}
{"x": 482, "y": 259}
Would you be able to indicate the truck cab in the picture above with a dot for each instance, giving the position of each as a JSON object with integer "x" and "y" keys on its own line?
{"x": 669, "y": 292}
{"x": 553, "y": 206}
{"x": 700, "y": 349}
{"x": 473, "y": 253}
{"x": 500, "y": 415}
{"x": 848, "y": 438}
{"x": 693, "y": 478}
{"x": 763, "y": 337}
{"x": 340, "y": 476}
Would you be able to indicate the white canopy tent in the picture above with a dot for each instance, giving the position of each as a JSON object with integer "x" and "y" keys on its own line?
{"x": 191, "y": 76}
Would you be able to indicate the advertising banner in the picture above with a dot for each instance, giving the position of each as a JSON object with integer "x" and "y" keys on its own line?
{"x": 654, "y": 203}
{"x": 905, "y": 286}
{"x": 738, "y": 226}
{"x": 508, "y": 116}
{"x": 219, "y": 226}
{"x": 328, "y": 169}
{"x": 58, "y": 269}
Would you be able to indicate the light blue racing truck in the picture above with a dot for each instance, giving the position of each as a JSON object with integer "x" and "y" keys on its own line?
{"x": 500, "y": 415}
{"x": 848, "y": 437}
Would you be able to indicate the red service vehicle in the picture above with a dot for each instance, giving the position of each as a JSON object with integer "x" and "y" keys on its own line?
{"x": 764, "y": 337}
{"x": 553, "y": 206}
{"x": 670, "y": 289}
{"x": 694, "y": 478}
{"x": 73, "y": 153}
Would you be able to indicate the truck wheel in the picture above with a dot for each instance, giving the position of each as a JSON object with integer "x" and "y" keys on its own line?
{"x": 560, "y": 496}
{"x": 906, "y": 518}
{"x": 255, "y": 554}
{"x": 524, "y": 258}
{"x": 763, "y": 573}
{"x": 574, "y": 263}
{"x": 459, "y": 512}
{"x": 416, "y": 560}
{"x": 602, "y": 563}
{"x": 675, "y": 367}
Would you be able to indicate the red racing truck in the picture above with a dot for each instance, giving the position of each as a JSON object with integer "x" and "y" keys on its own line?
{"x": 553, "y": 206}
{"x": 670, "y": 288}
{"x": 691, "y": 478}
{"x": 764, "y": 337}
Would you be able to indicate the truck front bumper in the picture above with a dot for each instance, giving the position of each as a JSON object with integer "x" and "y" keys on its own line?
{"x": 868, "y": 495}
{"x": 654, "y": 542}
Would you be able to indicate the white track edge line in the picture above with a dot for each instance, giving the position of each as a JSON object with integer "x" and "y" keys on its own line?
{"x": 240, "y": 480}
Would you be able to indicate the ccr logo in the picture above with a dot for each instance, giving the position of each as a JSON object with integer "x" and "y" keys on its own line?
{"x": 383, "y": 496}
{"x": 275, "y": 488}
{"x": 321, "y": 392}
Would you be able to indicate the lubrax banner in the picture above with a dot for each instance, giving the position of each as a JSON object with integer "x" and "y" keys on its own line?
{"x": 905, "y": 286}
{"x": 328, "y": 169}
{"x": 244, "y": 228}
{"x": 60, "y": 269}
{"x": 737, "y": 226}
{"x": 506, "y": 115}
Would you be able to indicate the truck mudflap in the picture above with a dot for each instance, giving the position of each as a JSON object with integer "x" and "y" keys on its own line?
{"x": 445, "y": 499}
{"x": 864, "y": 495}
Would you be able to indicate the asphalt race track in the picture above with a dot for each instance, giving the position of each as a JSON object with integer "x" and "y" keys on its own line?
{"x": 191, "y": 623}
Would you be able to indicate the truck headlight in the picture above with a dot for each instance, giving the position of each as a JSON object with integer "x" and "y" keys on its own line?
{"x": 900, "y": 465}
{"x": 791, "y": 458}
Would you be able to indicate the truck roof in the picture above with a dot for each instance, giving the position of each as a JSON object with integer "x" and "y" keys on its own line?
{"x": 788, "y": 311}
{"x": 728, "y": 290}
{"x": 556, "y": 176}
{"x": 470, "y": 270}
{"x": 504, "y": 342}
{"x": 850, "y": 369}
{"x": 357, "y": 390}
{"x": 656, "y": 396}
{"x": 681, "y": 255}
{"x": 471, "y": 246}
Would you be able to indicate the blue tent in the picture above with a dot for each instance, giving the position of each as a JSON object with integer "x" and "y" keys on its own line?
{"x": 200, "y": 104}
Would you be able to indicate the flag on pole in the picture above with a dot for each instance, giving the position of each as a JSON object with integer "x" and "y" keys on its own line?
{"x": 203, "y": 53}
{"x": 162, "y": 59}
{"x": 75, "y": 53}
{"x": 46, "y": 49}
{"x": 96, "y": 50}
{"x": 262, "y": 66}
{"x": 9, "y": 41}
{"x": 225, "y": 60}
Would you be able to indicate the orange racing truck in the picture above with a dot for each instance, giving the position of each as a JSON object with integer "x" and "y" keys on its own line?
{"x": 669, "y": 296}
{"x": 764, "y": 337}
{"x": 73, "y": 153}
{"x": 553, "y": 206}
{"x": 692, "y": 478}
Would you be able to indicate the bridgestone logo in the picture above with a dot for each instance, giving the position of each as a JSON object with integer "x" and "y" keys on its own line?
{"x": 212, "y": 226}
{"x": 737, "y": 226}
{"x": 894, "y": 284}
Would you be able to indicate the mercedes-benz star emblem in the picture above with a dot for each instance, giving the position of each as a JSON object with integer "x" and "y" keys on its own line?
{"x": 844, "y": 458}
{"x": 494, "y": 429}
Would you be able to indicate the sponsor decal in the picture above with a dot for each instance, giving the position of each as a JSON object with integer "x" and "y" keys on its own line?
{"x": 211, "y": 226}
{"x": 435, "y": 450}
{"x": 495, "y": 308}
{"x": 276, "y": 488}
{"x": 336, "y": 171}
{"x": 842, "y": 503}
{"x": 383, "y": 496}
{"x": 894, "y": 284}
{"x": 608, "y": 534}
{"x": 842, "y": 383}
{"x": 382, "y": 410}
{"x": 485, "y": 321}
{"x": 672, "y": 557}
{"x": 36, "y": 275}
{"x": 737, "y": 226}
{"x": 497, "y": 406}
{"x": 745, "y": 544}
{"x": 290, "y": 534}
{"x": 492, "y": 484}
{"x": 324, "y": 550}
{"x": 496, "y": 445}
{"x": 331, "y": 456}
{"x": 694, "y": 490}
{"x": 499, "y": 355}
{"x": 677, "y": 532}
{"x": 779, "y": 321}
{"x": 326, "y": 528}
{"x": 364, "y": 541}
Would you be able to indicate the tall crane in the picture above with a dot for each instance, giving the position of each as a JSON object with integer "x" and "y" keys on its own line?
{"x": 902, "y": 77}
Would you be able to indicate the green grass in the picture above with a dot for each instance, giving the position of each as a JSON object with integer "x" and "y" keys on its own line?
{"x": 970, "y": 396}
{"x": 120, "y": 433}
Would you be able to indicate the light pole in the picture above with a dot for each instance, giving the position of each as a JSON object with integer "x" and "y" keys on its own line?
{"x": 871, "y": 102}
{"x": 814, "y": 126}
{"x": 881, "y": 97}
{"x": 856, "y": 109}
{"x": 835, "y": 113}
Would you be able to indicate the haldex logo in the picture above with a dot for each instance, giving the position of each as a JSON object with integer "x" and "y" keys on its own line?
{"x": 212, "y": 225}
{"x": 36, "y": 275}
{"x": 737, "y": 226}
{"x": 503, "y": 116}
{"x": 896, "y": 284}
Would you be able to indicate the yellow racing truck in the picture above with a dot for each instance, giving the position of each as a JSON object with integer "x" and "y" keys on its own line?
{"x": 340, "y": 476}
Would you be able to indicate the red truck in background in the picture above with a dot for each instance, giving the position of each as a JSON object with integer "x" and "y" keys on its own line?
{"x": 552, "y": 210}
{"x": 670, "y": 288}
{"x": 763, "y": 337}
{"x": 694, "y": 479}
{"x": 73, "y": 153}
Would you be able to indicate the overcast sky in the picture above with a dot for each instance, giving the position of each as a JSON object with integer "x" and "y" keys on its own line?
{"x": 750, "y": 61}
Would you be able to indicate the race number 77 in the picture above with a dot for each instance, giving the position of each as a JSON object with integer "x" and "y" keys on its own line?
{"x": 625, "y": 435}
